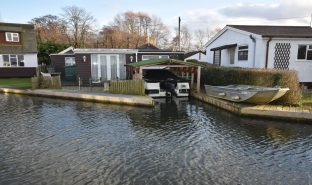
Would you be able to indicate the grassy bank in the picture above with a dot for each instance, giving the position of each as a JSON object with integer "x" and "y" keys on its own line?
{"x": 307, "y": 100}
{"x": 15, "y": 82}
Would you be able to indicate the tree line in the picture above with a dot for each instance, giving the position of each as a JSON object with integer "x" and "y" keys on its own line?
{"x": 76, "y": 27}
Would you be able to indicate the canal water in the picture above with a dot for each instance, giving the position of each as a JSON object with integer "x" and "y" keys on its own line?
{"x": 50, "y": 141}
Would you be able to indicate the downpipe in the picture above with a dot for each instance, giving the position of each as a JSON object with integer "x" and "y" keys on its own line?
{"x": 254, "y": 49}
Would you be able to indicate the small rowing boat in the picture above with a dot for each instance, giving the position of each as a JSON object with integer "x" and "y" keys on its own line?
{"x": 246, "y": 93}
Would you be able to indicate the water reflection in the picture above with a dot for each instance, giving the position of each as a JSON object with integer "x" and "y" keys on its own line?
{"x": 178, "y": 142}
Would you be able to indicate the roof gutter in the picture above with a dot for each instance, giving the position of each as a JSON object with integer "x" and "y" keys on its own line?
{"x": 267, "y": 52}
{"x": 254, "y": 49}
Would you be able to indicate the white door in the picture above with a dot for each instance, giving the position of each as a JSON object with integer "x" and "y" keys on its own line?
{"x": 105, "y": 67}
{"x": 103, "y": 64}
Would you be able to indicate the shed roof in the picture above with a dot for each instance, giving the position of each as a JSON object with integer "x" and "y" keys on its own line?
{"x": 146, "y": 48}
{"x": 105, "y": 50}
{"x": 224, "y": 47}
{"x": 186, "y": 55}
{"x": 277, "y": 31}
{"x": 164, "y": 61}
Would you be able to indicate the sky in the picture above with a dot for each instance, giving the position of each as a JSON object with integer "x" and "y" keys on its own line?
{"x": 195, "y": 14}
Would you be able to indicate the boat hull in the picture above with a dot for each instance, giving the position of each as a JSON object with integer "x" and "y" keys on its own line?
{"x": 154, "y": 90}
{"x": 245, "y": 93}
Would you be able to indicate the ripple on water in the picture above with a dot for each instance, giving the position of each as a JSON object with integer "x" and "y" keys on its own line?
{"x": 67, "y": 142}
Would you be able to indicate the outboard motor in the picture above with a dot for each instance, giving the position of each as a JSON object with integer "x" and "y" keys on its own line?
{"x": 169, "y": 85}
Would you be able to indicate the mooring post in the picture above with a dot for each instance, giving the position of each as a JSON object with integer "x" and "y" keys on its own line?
{"x": 192, "y": 80}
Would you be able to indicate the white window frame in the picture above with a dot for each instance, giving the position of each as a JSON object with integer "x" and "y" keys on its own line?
{"x": 108, "y": 64}
{"x": 306, "y": 54}
{"x": 13, "y": 35}
{"x": 159, "y": 56}
{"x": 10, "y": 62}
{"x": 239, "y": 50}
{"x": 72, "y": 61}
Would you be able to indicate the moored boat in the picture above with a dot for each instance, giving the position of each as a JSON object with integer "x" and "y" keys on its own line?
{"x": 163, "y": 83}
{"x": 246, "y": 93}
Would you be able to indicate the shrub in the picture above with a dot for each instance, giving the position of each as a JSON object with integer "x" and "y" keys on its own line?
{"x": 258, "y": 77}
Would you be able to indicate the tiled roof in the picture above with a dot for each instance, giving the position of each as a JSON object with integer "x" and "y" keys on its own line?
{"x": 277, "y": 31}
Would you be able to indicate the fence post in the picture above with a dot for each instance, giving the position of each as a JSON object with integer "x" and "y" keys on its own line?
{"x": 79, "y": 83}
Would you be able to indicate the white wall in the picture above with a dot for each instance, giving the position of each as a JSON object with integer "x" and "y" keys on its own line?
{"x": 304, "y": 68}
{"x": 1, "y": 60}
{"x": 235, "y": 37}
{"x": 30, "y": 60}
{"x": 197, "y": 56}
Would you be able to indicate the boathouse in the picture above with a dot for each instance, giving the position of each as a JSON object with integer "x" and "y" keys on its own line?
{"x": 184, "y": 69}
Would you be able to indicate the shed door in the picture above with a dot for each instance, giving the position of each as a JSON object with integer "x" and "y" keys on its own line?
{"x": 114, "y": 63}
{"x": 217, "y": 57}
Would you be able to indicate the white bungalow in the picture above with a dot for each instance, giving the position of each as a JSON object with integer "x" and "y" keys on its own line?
{"x": 276, "y": 47}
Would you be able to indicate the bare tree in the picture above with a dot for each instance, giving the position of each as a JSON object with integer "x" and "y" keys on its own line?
{"x": 79, "y": 24}
{"x": 132, "y": 29}
{"x": 201, "y": 37}
{"x": 185, "y": 40}
{"x": 50, "y": 28}
{"x": 159, "y": 32}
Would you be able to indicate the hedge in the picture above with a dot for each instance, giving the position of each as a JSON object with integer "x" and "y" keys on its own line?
{"x": 258, "y": 77}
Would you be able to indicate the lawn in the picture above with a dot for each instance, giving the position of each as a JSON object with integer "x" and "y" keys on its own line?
{"x": 15, "y": 82}
{"x": 307, "y": 100}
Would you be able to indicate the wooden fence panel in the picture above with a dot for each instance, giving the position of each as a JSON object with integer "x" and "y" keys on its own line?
{"x": 133, "y": 87}
{"x": 44, "y": 82}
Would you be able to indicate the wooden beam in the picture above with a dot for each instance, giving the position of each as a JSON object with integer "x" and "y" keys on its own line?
{"x": 170, "y": 66}
{"x": 198, "y": 78}
{"x": 192, "y": 81}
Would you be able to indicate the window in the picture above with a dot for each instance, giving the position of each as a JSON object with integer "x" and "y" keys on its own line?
{"x": 105, "y": 67}
{"x": 150, "y": 57}
{"x": 11, "y": 37}
{"x": 243, "y": 52}
{"x": 304, "y": 52}
{"x": 70, "y": 61}
{"x": 13, "y": 61}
